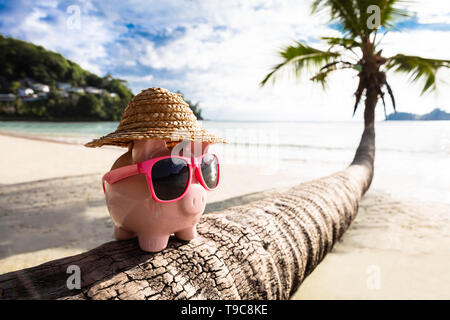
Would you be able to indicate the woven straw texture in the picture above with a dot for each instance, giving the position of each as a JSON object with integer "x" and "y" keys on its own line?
{"x": 157, "y": 113}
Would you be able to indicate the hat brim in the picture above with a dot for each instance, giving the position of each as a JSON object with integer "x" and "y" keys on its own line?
{"x": 123, "y": 138}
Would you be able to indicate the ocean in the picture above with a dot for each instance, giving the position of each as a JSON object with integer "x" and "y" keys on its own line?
{"x": 412, "y": 157}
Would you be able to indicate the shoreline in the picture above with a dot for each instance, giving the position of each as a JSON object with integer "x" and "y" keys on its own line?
{"x": 55, "y": 208}
{"x": 38, "y": 137}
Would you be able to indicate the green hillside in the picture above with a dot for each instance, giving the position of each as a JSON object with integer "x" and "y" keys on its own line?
{"x": 24, "y": 65}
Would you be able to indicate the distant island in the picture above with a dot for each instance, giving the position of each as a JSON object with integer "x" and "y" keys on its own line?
{"x": 436, "y": 114}
{"x": 37, "y": 84}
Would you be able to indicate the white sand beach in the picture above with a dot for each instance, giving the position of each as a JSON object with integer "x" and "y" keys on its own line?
{"x": 52, "y": 205}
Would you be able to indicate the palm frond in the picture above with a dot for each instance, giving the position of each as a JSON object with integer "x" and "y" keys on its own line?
{"x": 322, "y": 77}
{"x": 342, "y": 11}
{"x": 300, "y": 57}
{"x": 381, "y": 94}
{"x": 389, "y": 13}
{"x": 352, "y": 15}
{"x": 335, "y": 65}
{"x": 417, "y": 68}
{"x": 346, "y": 43}
{"x": 391, "y": 94}
{"x": 358, "y": 94}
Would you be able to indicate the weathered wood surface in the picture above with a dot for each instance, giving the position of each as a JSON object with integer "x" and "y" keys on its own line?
{"x": 260, "y": 250}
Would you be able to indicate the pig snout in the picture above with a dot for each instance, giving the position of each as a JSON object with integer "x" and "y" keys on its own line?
{"x": 195, "y": 200}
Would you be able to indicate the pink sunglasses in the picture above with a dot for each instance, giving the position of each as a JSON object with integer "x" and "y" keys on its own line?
{"x": 169, "y": 177}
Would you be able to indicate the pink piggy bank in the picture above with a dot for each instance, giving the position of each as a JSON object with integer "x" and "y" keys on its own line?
{"x": 152, "y": 192}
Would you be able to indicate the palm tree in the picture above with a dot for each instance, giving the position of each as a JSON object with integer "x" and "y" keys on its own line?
{"x": 359, "y": 41}
{"x": 264, "y": 249}
{"x": 358, "y": 49}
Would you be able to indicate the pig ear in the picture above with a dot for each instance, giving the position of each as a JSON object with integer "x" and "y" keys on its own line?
{"x": 130, "y": 146}
{"x": 205, "y": 147}
{"x": 146, "y": 149}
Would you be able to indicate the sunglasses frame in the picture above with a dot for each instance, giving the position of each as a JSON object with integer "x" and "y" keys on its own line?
{"x": 145, "y": 167}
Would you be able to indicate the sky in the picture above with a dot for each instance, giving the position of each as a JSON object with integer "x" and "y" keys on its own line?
{"x": 216, "y": 52}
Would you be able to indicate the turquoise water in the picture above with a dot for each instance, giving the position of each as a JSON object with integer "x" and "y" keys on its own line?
{"x": 402, "y": 136}
{"x": 412, "y": 157}
{"x": 69, "y": 129}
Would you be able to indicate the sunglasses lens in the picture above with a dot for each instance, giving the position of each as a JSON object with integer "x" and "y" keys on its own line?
{"x": 170, "y": 178}
{"x": 210, "y": 170}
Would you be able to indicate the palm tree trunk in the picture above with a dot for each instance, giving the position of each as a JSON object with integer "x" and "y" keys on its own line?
{"x": 262, "y": 250}
{"x": 365, "y": 154}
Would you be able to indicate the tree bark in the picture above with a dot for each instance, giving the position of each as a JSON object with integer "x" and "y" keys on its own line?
{"x": 262, "y": 250}
{"x": 365, "y": 154}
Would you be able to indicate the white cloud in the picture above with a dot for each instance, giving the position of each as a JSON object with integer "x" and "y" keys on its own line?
{"x": 430, "y": 11}
{"x": 223, "y": 67}
{"x": 84, "y": 45}
{"x": 132, "y": 78}
{"x": 226, "y": 49}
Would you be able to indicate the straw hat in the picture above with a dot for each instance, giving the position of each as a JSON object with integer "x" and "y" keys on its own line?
{"x": 157, "y": 113}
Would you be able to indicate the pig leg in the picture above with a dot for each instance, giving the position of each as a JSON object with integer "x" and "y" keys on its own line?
{"x": 187, "y": 234}
{"x": 122, "y": 234}
{"x": 153, "y": 243}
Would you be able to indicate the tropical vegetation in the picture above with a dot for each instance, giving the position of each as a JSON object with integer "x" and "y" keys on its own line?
{"x": 22, "y": 63}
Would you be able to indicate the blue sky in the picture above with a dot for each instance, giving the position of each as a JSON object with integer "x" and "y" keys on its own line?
{"x": 217, "y": 52}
